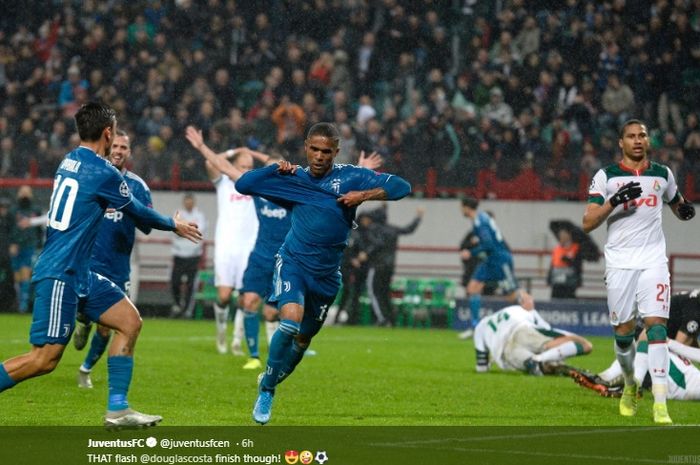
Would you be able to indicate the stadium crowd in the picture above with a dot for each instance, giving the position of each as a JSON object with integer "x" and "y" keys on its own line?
{"x": 475, "y": 94}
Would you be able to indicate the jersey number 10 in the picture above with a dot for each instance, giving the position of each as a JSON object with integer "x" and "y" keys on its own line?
{"x": 65, "y": 190}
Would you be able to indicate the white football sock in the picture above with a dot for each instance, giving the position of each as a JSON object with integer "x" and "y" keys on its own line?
{"x": 221, "y": 316}
{"x": 658, "y": 369}
{"x": 555, "y": 354}
{"x": 270, "y": 328}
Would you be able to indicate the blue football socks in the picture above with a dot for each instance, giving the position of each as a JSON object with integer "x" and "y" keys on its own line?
{"x": 24, "y": 287}
{"x": 251, "y": 326}
{"x": 97, "y": 348}
{"x": 5, "y": 381}
{"x": 119, "y": 369}
{"x": 475, "y": 308}
{"x": 279, "y": 348}
{"x": 294, "y": 356}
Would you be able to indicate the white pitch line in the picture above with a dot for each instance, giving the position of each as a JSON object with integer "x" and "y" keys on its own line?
{"x": 456, "y": 448}
{"x": 614, "y": 459}
{"x": 606, "y": 430}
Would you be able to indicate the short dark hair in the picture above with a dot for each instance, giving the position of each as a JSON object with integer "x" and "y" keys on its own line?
{"x": 470, "y": 202}
{"x": 92, "y": 119}
{"x": 324, "y": 130}
{"x": 629, "y": 122}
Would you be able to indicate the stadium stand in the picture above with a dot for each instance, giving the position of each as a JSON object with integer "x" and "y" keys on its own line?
{"x": 508, "y": 99}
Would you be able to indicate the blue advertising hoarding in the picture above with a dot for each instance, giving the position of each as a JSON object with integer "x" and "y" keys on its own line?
{"x": 586, "y": 317}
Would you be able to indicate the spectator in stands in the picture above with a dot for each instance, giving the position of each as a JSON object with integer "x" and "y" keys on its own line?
{"x": 508, "y": 155}
{"x": 498, "y": 110}
{"x": 566, "y": 96}
{"x": 617, "y": 101}
{"x": 290, "y": 120}
{"x": 668, "y": 74}
{"x": 691, "y": 130}
{"x": 186, "y": 258}
{"x": 527, "y": 40}
{"x": 340, "y": 77}
{"x": 69, "y": 86}
{"x": 367, "y": 67}
{"x": 25, "y": 147}
{"x": 691, "y": 144}
{"x": 224, "y": 92}
{"x": 177, "y": 58}
{"x": 590, "y": 163}
{"x": 671, "y": 154}
{"x": 7, "y": 158}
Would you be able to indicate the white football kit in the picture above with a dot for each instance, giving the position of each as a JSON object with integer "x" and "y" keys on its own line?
{"x": 636, "y": 276}
{"x": 510, "y": 336}
{"x": 236, "y": 231}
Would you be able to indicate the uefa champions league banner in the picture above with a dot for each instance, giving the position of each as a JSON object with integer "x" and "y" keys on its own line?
{"x": 586, "y": 317}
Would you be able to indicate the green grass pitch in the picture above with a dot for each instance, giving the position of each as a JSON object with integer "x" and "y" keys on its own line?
{"x": 361, "y": 376}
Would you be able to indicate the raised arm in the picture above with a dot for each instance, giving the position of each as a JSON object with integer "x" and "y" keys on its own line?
{"x": 220, "y": 163}
{"x": 413, "y": 225}
{"x": 261, "y": 157}
{"x": 371, "y": 161}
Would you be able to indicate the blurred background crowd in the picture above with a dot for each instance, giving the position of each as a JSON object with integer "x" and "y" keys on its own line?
{"x": 470, "y": 96}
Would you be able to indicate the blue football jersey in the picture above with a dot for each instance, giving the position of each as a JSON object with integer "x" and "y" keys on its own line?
{"x": 491, "y": 240}
{"x": 274, "y": 222}
{"x": 84, "y": 186}
{"x": 115, "y": 240}
{"x": 320, "y": 224}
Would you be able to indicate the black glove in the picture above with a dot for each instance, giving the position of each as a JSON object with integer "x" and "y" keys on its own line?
{"x": 630, "y": 191}
{"x": 686, "y": 211}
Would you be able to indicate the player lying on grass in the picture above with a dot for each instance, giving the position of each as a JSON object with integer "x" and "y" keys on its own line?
{"x": 517, "y": 338}
{"x": 684, "y": 377}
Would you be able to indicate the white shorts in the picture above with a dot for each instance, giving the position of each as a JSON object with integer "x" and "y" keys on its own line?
{"x": 525, "y": 342}
{"x": 630, "y": 292}
{"x": 229, "y": 267}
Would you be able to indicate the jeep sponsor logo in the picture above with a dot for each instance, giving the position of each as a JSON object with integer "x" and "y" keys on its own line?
{"x": 279, "y": 213}
{"x": 114, "y": 215}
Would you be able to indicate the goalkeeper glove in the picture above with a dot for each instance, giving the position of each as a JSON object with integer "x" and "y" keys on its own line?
{"x": 630, "y": 191}
{"x": 686, "y": 211}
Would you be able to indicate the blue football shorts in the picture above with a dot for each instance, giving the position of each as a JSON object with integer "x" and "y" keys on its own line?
{"x": 292, "y": 284}
{"x": 258, "y": 275}
{"x": 56, "y": 305}
{"x": 497, "y": 269}
{"x": 23, "y": 259}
